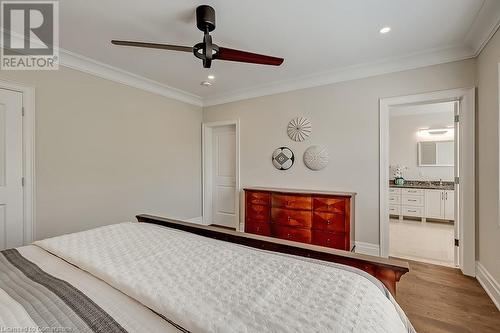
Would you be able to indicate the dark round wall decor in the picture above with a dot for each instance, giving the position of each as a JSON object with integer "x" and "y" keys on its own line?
{"x": 283, "y": 158}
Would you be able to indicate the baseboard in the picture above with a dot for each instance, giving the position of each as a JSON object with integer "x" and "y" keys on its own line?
{"x": 367, "y": 248}
{"x": 489, "y": 284}
{"x": 197, "y": 220}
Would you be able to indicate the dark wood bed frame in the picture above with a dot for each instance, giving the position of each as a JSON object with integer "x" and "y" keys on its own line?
{"x": 388, "y": 271}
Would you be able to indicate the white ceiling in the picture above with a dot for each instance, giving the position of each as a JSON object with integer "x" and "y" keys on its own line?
{"x": 318, "y": 39}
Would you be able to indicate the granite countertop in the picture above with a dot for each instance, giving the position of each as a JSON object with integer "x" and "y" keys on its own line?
{"x": 429, "y": 185}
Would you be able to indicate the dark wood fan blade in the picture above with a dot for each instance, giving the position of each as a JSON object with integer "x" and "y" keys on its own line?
{"x": 243, "y": 56}
{"x": 153, "y": 45}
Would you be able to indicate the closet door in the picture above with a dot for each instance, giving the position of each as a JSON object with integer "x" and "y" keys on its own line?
{"x": 11, "y": 172}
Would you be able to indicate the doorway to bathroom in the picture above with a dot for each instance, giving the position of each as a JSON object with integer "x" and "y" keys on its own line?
{"x": 422, "y": 182}
{"x": 427, "y": 178}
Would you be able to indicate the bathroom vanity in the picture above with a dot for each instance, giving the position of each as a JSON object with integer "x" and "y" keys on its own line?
{"x": 423, "y": 199}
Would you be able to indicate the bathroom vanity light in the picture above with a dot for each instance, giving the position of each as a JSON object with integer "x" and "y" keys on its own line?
{"x": 437, "y": 133}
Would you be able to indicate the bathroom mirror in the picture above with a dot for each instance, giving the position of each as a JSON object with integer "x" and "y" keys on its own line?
{"x": 436, "y": 153}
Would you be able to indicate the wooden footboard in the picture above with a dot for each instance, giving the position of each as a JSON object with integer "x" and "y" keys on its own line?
{"x": 388, "y": 271}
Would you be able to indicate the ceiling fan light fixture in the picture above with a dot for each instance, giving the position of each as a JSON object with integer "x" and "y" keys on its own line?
{"x": 207, "y": 51}
{"x": 211, "y": 77}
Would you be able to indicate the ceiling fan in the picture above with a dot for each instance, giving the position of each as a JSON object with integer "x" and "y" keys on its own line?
{"x": 206, "y": 50}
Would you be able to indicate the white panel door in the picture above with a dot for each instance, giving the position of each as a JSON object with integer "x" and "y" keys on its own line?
{"x": 224, "y": 199}
{"x": 449, "y": 205}
{"x": 434, "y": 204}
{"x": 11, "y": 164}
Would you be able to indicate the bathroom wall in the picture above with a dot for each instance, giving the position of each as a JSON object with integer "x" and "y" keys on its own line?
{"x": 405, "y": 122}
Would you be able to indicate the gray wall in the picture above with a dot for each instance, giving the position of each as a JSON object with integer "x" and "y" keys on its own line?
{"x": 487, "y": 157}
{"x": 345, "y": 118}
{"x": 106, "y": 151}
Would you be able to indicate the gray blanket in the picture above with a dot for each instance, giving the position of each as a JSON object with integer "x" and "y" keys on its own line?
{"x": 53, "y": 304}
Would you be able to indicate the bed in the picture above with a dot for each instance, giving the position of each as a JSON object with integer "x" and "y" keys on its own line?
{"x": 170, "y": 276}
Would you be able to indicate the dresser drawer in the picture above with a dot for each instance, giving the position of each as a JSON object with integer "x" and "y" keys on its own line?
{"x": 328, "y": 221}
{"x": 258, "y": 198}
{"x": 329, "y": 239}
{"x": 393, "y": 190}
{"x": 258, "y": 213}
{"x": 413, "y": 200}
{"x": 394, "y": 209}
{"x": 253, "y": 227}
{"x": 303, "y": 202}
{"x": 413, "y": 191}
{"x": 292, "y": 218}
{"x": 290, "y": 233}
{"x": 394, "y": 199}
{"x": 412, "y": 211}
{"x": 329, "y": 204}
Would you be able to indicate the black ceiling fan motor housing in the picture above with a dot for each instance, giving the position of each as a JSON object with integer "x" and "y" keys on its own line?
{"x": 205, "y": 18}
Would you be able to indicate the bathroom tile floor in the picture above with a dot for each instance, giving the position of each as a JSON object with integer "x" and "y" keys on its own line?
{"x": 430, "y": 242}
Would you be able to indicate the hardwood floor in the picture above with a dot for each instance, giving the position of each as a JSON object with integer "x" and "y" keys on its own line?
{"x": 439, "y": 299}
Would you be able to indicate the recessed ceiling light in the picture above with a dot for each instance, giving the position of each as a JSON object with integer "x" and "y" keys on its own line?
{"x": 211, "y": 77}
{"x": 385, "y": 30}
{"x": 206, "y": 83}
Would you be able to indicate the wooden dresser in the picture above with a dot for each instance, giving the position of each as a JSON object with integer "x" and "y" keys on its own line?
{"x": 313, "y": 217}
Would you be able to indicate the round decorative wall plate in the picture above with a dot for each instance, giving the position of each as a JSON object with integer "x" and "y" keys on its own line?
{"x": 299, "y": 129}
{"x": 316, "y": 157}
{"x": 283, "y": 158}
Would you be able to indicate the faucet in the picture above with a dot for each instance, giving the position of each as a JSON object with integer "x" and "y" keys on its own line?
{"x": 440, "y": 182}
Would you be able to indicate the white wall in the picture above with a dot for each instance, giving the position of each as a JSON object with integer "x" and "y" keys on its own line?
{"x": 345, "y": 118}
{"x": 403, "y": 138}
{"x": 106, "y": 151}
{"x": 487, "y": 158}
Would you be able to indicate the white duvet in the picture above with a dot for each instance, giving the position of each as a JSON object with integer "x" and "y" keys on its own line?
{"x": 205, "y": 285}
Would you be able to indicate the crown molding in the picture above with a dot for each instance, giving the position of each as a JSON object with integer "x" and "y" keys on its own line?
{"x": 485, "y": 25}
{"x": 90, "y": 66}
{"x": 386, "y": 66}
{"x": 96, "y": 68}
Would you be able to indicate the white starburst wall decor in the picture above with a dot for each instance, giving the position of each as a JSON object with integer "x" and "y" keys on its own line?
{"x": 299, "y": 129}
{"x": 316, "y": 157}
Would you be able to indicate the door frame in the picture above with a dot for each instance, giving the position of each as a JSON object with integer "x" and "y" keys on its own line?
{"x": 28, "y": 93}
{"x": 207, "y": 159}
{"x": 466, "y": 213}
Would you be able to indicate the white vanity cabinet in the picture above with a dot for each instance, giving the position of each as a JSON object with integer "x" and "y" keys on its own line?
{"x": 440, "y": 204}
{"x": 422, "y": 203}
{"x": 449, "y": 205}
{"x": 434, "y": 204}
